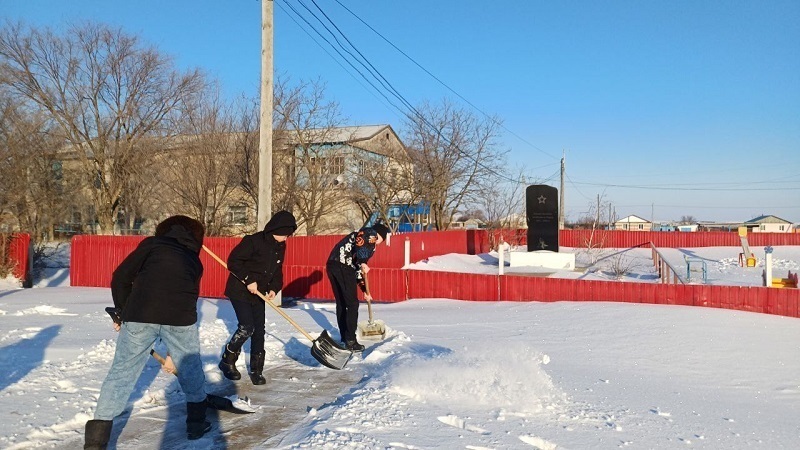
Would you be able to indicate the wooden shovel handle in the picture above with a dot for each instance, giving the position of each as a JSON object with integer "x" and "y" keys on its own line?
{"x": 263, "y": 297}
{"x": 157, "y": 356}
{"x": 366, "y": 291}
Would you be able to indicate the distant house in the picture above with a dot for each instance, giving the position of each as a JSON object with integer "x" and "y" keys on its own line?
{"x": 633, "y": 223}
{"x": 464, "y": 223}
{"x": 768, "y": 224}
{"x": 717, "y": 226}
{"x": 688, "y": 228}
{"x": 663, "y": 226}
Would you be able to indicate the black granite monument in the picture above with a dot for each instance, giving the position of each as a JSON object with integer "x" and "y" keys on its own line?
{"x": 541, "y": 212}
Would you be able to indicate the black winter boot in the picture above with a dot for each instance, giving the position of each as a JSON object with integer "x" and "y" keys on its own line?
{"x": 196, "y": 423}
{"x": 98, "y": 432}
{"x": 256, "y": 367}
{"x": 354, "y": 346}
{"x": 228, "y": 364}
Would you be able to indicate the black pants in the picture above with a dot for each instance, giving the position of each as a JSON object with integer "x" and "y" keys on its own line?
{"x": 344, "y": 285}
{"x": 251, "y": 317}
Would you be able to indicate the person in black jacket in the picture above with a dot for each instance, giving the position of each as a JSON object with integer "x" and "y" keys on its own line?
{"x": 346, "y": 267}
{"x": 255, "y": 265}
{"x": 155, "y": 291}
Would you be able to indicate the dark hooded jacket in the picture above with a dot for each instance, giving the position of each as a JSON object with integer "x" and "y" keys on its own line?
{"x": 259, "y": 257}
{"x": 355, "y": 249}
{"x": 159, "y": 282}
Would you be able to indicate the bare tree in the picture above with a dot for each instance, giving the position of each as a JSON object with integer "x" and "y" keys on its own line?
{"x": 105, "y": 91}
{"x": 594, "y": 244}
{"x": 504, "y": 203}
{"x": 245, "y": 155}
{"x": 453, "y": 151}
{"x": 380, "y": 180}
{"x": 311, "y": 155}
{"x": 197, "y": 167}
{"x": 35, "y": 189}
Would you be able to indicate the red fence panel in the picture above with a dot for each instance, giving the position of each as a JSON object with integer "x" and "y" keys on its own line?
{"x": 671, "y": 239}
{"x": 215, "y": 275}
{"x": 94, "y": 258}
{"x": 459, "y": 286}
{"x": 387, "y": 285}
{"x": 310, "y": 250}
{"x": 20, "y": 256}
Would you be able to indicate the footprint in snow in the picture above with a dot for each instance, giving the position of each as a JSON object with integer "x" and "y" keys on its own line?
{"x": 536, "y": 441}
{"x": 401, "y": 445}
{"x": 660, "y": 413}
{"x": 455, "y": 421}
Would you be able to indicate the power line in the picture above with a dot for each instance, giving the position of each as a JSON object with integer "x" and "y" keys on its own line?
{"x": 442, "y": 82}
{"x": 676, "y": 188}
{"x": 356, "y": 79}
{"x": 375, "y": 73}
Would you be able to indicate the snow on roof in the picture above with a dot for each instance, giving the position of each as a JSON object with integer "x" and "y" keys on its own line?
{"x": 632, "y": 218}
{"x": 349, "y": 134}
{"x": 768, "y": 219}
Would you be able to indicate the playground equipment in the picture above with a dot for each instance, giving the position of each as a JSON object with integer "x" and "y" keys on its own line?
{"x": 766, "y": 275}
{"x": 703, "y": 268}
{"x": 746, "y": 258}
{"x": 788, "y": 282}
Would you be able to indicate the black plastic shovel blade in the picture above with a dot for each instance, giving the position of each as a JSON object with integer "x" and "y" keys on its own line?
{"x": 329, "y": 353}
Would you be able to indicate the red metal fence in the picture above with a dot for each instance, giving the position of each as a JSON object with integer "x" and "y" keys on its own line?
{"x": 19, "y": 255}
{"x": 95, "y": 257}
{"x": 667, "y": 239}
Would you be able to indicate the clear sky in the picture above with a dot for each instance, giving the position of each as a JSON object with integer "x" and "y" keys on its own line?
{"x": 664, "y": 108}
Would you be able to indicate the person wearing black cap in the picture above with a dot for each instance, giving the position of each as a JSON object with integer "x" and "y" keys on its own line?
{"x": 255, "y": 265}
{"x": 346, "y": 267}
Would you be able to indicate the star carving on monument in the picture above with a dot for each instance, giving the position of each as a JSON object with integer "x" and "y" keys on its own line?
{"x": 542, "y": 244}
{"x": 542, "y": 199}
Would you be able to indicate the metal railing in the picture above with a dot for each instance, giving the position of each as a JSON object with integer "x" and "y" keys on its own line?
{"x": 666, "y": 272}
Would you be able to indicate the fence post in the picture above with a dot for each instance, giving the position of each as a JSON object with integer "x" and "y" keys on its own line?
{"x": 407, "y": 252}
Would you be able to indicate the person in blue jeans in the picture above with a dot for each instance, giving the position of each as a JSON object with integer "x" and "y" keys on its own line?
{"x": 155, "y": 291}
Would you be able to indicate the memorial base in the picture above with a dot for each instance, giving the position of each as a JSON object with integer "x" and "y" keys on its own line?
{"x": 543, "y": 258}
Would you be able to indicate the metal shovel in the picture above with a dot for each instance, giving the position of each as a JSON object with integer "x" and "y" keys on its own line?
{"x": 324, "y": 349}
{"x": 373, "y": 329}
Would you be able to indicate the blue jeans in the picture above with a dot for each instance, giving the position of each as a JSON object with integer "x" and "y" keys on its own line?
{"x": 133, "y": 349}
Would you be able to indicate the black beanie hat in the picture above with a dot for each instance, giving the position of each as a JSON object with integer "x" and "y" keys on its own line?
{"x": 381, "y": 229}
{"x": 282, "y": 231}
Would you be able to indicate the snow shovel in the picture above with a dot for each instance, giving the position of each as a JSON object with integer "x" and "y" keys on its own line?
{"x": 324, "y": 349}
{"x": 373, "y": 329}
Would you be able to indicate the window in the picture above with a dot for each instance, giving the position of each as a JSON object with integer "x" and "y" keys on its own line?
{"x": 336, "y": 165}
{"x": 237, "y": 214}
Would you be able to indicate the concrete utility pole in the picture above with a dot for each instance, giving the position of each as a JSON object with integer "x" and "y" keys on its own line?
{"x": 561, "y": 200}
{"x": 265, "y": 130}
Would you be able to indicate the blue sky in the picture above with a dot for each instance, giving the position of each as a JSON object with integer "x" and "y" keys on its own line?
{"x": 664, "y": 108}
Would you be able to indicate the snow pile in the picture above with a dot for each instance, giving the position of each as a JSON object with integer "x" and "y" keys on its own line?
{"x": 481, "y": 376}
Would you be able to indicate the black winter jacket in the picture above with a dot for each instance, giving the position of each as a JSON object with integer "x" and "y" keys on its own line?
{"x": 259, "y": 257}
{"x": 159, "y": 282}
{"x": 355, "y": 249}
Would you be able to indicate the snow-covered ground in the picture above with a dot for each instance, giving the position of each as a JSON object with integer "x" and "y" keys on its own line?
{"x": 450, "y": 374}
